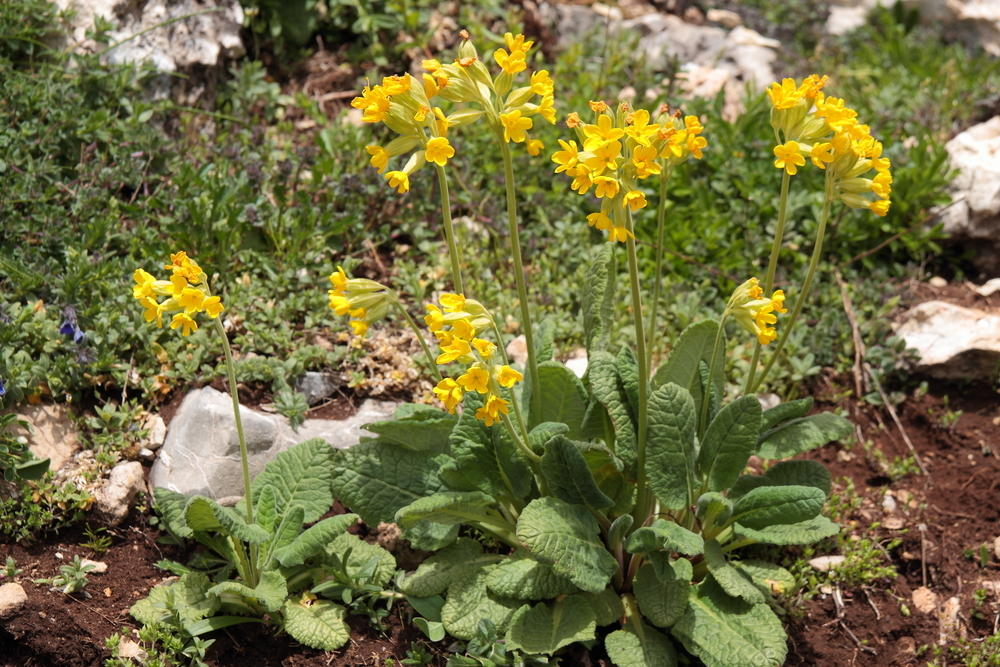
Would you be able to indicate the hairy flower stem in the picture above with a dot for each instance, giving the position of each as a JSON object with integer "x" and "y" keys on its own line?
{"x": 806, "y": 284}
{"x": 449, "y": 232}
{"x": 706, "y": 399}
{"x": 534, "y": 460}
{"x": 661, "y": 219}
{"x": 772, "y": 265}
{"x": 419, "y": 335}
{"x": 643, "y": 499}
{"x": 251, "y": 562}
{"x": 522, "y": 290}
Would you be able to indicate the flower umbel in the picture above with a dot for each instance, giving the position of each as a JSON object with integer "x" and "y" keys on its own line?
{"x": 186, "y": 294}
{"x": 754, "y": 312}
{"x": 363, "y": 300}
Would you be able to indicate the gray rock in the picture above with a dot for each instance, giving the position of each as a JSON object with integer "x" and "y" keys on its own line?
{"x": 112, "y": 500}
{"x": 953, "y": 342}
{"x": 974, "y": 216}
{"x": 316, "y": 386}
{"x": 52, "y": 434}
{"x": 201, "y": 454}
{"x": 12, "y": 598}
{"x": 157, "y": 432}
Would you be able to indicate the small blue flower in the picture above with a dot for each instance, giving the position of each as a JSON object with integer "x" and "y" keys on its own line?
{"x": 69, "y": 326}
{"x": 3, "y": 388}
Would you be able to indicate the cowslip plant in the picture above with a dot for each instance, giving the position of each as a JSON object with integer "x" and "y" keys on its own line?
{"x": 557, "y": 505}
{"x": 267, "y": 565}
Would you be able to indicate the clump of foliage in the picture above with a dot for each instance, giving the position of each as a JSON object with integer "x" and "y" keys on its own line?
{"x": 72, "y": 578}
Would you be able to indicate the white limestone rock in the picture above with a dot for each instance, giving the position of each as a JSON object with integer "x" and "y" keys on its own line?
{"x": 12, "y": 599}
{"x": 52, "y": 434}
{"x": 113, "y": 499}
{"x": 953, "y": 342}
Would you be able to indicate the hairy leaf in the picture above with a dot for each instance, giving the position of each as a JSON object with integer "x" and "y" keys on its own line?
{"x": 786, "y": 473}
{"x": 568, "y": 476}
{"x": 731, "y": 580}
{"x": 729, "y": 441}
{"x": 288, "y": 529}
{"x": 468, "y": 602}
{"x": 265, "y": 509}
{"x": 451, "y": 564}
{"x": 803, "y": 532}
{"x": 606, "y": 387}
{"x": 422, "y": 428}
{"x": 769, "y": 505}
{"x": 670, "y": 448}
{"x": 269, "y": 593}
{"x": 564, "y": 398}
{"x": 666, "y": 535}
{"x": 801, "y": 435}
{"x": 567, "y": 537}
{"x": 693, "y": 347}
{"x": 300, "y": 475}
{"x": 769, "y": 577}
{"x": 204, "y": 514}
{"x": 598, "y": 298}
{"x": 785, "y": 411}
{"x": 607, "y": 606}
{"x": 661, "y": 601}
{"x": 628, "y": 374}
{"x": 170, "y": 506}
{"x": 638, "y": 645}
{"x": 725, "y": 631}
{"x": 316, "y": 623}
{"x": 494, "y": 467}
{"x": 451, "y": 508}
{"x": 546, "y": 628}
{"x": 544, "y": 432}
{"x": 186, "y": 599}
{"x": 362, "y": 558}
{"x": 314, "y": 539}
{"x": 521, "y": 577}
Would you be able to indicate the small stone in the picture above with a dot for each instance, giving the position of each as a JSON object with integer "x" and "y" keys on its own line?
{"x": 157, "y": 429}
{"x": 147, "y": 454}
{"x": 925, "y": 600}
{"x": 989, "y": 288}
{"x": 99, "y": 567}
{"x": 724, "y": 17}
{"x": 52, "y": 435}
{"x": 906, "y": 646}
{"x": 517, "y": 350}
{"x": 317, "y": 387}
{"x": 12, "y": 598}
{"x": 59, "y": 555}
{"x": 112, "y": 500}
{"x": 948, "y": 620}
{"x": 937, "y": 281}
{"x": 130, "y": 650}
{"x": 768, "y": 401}
{"x": 845, "y": 456}
{"x": 888, "y": 503}
{"x": 952, "y": 341}
{"x": 996, "y": 547}
{"x": 993, "y": 587}
{"x": 893, "y": 522}
{"x": 107, "y": 592}
{"x": 827, "y": 563}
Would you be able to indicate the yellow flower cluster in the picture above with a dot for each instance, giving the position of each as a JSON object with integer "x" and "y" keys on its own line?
{"x": 754, "y": 312}
{"x": 406, "y": 105}
{"x": 456, "y": 324}
{"x": 619, "y": 150}
{"x": 363, "y": 300}
{"x": 184, "y": 298}
{"x": 810, "y": 124}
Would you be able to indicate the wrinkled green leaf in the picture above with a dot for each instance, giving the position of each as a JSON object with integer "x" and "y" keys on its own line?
{"x": 661, "y": 600}
{"x": 451, "y": 508}
{"x": 495, "y": 467}
{"x": 318, "y": 624}
{"x": 521, "y": 577}
{"x": 769, "y": 577}
{"x": 204, "y": 514}
{"x": 300, "y": 475}
{"x": 731, "y": 580}
{"x": 187, "y": 599}
{"x": 786, "y": 473}
{"x": 569, "y": 477}
{"x": 666, "y": 535}
{"x": 564, "y": 398}
{"x": 803, "y": 532}
{"x": 607, "y": 606}
{"x": 421, "y": 428}
{"x": 314, "y": 539}
{"x": 606, "y": 387}
{"x": 567, "y": 537}
{"x": 598, "y": 298}
{"x": 628, "y": 375}
{"x": 638, "y": 645}
{"x": 769, "y": 505}
{"x": 670, "y": 448}
{"x": 451, "y": 564}
{"x": 269, "y": 593}
{"x": 724, "y": 631}
{"x": 468, "y": 602}
{"x": 785, "y": 411}
{"x": 546, "y": 628}
{"x": 693, "y": 347}
{"x": 544, "y": 432}
{"x": 801, "y": 435}
{"x": 362, "y": 554}
{"x": 729, "y": 441}
{"x": 170, "y": 505}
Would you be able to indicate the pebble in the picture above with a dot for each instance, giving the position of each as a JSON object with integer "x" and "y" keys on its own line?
{"x": 147, "y": 454}
{"x": 826, "y": 563}
{"x": 100, "y": 567}
{"x": 996, "y": 547}
{"x": 925, "y": 600}
{"x": 157, "y": 432}
{"x": 888, "y": 503}
{"x": 948, "y": 619}
{"x": 12, "y": 598}
{"x": 893, "y": 522}
{"x": 938, "y": 281}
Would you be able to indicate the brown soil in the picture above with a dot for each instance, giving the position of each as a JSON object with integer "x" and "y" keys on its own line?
{"x": 958, "y": 503}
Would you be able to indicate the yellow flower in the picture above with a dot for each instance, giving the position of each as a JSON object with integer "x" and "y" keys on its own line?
{"x": 644, "y": 159}
{"x": 755, "y": 313}
{"x": 186, "y": 324}
{"x": 153, "y": 311}
{"x": 191, "y": 299}
{"x": 606, "y": 186}
{"x": 184, "y": 266}
{"x": 821, "y": 154}
{"x": 380, "y": 157}
{"x": 453, "y": 303}
{"x": 484, "y": 347}
{"x": 399, "y": 180}
{"x": 438, "y": 151}
{"x": 641, "y": 130}
{"x": 434, "y": 318}
{"x": 598, "y": 106}
{"x": 475, "y": 379}
{"x": 635, "y": 199}
{"x": 600, "y": 221}
{"x": 396, "y": 85}
{"x": 514, "y": 126}
{"x": 566, "y": 158}
{"x": 879, "y": 207}
{"x": 508, "y": 377}
{"x": 784, "y": 95}
{"x": 358, "y": 327}
{"x": 573, "y": 120}
{"x": 212, "y": 306}
{"x": 456, "y": 349}
{"x": 511, "y": 63}
{"x": 463, "y": 330}
{"x": 449, "y": 393}
{"x": 603, "y": 131}
{"x": 788, "y": 157}
{"x": 619, "y": 234}
{"x": 143, "y": 284}
{"x": 541, "y": 83}
{"x": 546, "y": 109}
{"x": 695, "y": 144}
{"x": 603, "y": 156}
{"x": 534, "y": 147}
{"x": 374, "y": 102}
{"x": 339, "y": 280}
{"x": 490, "y": 413}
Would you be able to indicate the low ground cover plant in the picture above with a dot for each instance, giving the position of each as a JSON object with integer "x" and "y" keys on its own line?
{"x": 620, "y": 499}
